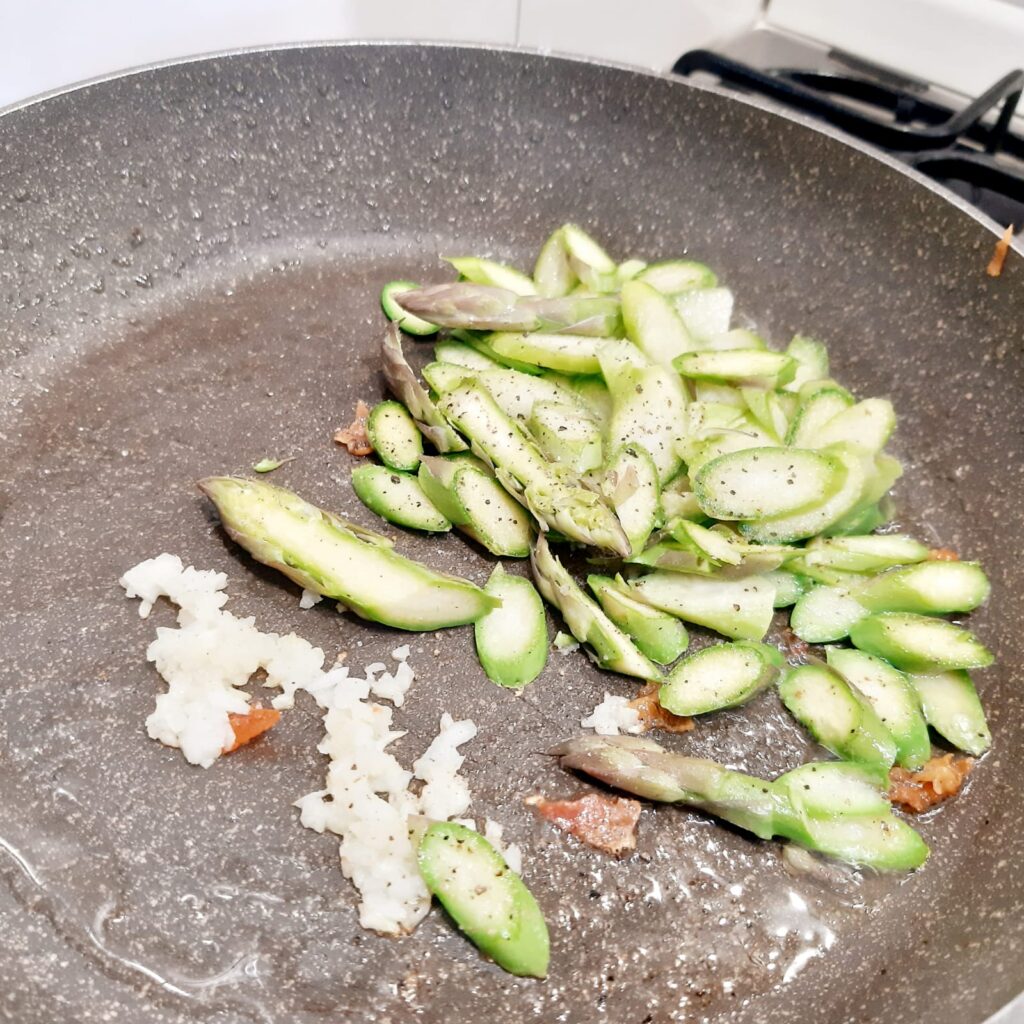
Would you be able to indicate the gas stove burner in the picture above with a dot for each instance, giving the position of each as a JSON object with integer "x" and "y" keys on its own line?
{"x": 981, "y": 160}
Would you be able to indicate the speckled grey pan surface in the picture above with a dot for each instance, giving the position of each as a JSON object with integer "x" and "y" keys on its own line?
{"x": 189, "y": 265}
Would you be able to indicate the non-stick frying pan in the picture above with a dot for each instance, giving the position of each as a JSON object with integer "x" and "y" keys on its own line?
{"x": 189, "y": 265}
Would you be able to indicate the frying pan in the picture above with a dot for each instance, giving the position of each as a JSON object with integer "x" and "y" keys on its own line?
{"x": 190, "y": 258}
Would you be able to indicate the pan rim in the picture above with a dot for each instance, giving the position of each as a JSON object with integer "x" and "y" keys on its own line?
{"x": 758, "y": 103}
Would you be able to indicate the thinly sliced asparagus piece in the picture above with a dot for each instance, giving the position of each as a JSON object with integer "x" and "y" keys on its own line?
{"x": 652, "y": 323}
{"x": 465, "y": 490}
{"x": 485, "y": 897}
{"x": 952, "y": 708}
{"x": 648, "y": 406}
{"x": 394, "y": 436}
{"x": 673, "y": 276}
{"x": 398, "y": 498}
{"x": 483, "y": 271}
{"x": 918, "y": 643}
{"x": 512, "y": 639}
{"x": 740, "y": 609}
{"x": 836, "y": 715}
{"x": 630, "y": 484}
{"x": 929, "y": 588}
{"x": 566, "y": 436}
{"x": 553, "y": 495}
{"x": 481, "y": 307}
{"x": 662, "y": 637}
{"x": 552, "y": 273}
{"x": 825, "y": 614}
{"x": 408, "y": 390}
{"x": 612, "y": 648}
{"x": 893, "y": 698}
{"x": 591, "y": 264}
{"x": 722, "y": 676}
{"x": 322, "y": 553}
{"x": 865, "y": 553}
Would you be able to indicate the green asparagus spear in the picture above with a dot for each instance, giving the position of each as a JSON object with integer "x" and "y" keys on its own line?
{"x": 480, "y": 307}
{"x": 613, "y": 649}
{"x": 550, "y": 491}
{"x": 842, "y": 812}
{"x": 325, "y": 554}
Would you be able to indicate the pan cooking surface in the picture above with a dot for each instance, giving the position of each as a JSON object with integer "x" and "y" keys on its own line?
{"x": 189, "y": 264}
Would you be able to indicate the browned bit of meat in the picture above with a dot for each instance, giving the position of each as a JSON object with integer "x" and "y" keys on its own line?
{"x": 795, "y": 649}
{"x": 937, "y": 781}
{"x": 943, "y": 555}
{"x": 354, "y": 436}
{"x": 654, "y": 716}
{"x": 607, "y": 823}
{"x": 995, "y": 265}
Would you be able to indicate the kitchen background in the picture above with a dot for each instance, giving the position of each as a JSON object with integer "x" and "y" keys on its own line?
{"x": 964, "y": 44}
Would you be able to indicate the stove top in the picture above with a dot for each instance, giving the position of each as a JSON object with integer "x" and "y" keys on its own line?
{"x": 973, "y": 147}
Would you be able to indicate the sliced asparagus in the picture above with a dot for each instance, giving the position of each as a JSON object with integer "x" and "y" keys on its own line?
{"x": 867, "y": 424}
{"x": 566, "y": 437}
{"x": 408, "y": 390}
{"x": 553, "y": 275}
{"x": 652, "y": 323}
{"x": 859, "y": 830}
{"x": 567, "y": 353}
{"x": 870, "y": 553}
{"x": 398, "y": 498}
{"x": 722, "y": 676}
{"x": 482, "y": 271}
{"x": 705, "y": 311}
{"x": 740, "y": 609}
{"x": 836, "y": 715}
{"x": 481, "y": 307}
{"x": 648, "y": 404}
{"x": 759, "y": 483}
{"x": 325, "y": 554}
{"x": 613, "y": 649}
{"x": 673, "y": 276}
{"x": 917, "y": 643}
{"x": 825, "y": 614}
{"x": 952, "y": 708}
{"x": 929, "y": 588}
{"x": 512, "y": 639}
{"x": 839, "y": 502}
{"x": 660, "y": 636}
{"x": 630, "y": 483}
{"x": 590, "y": 263}
{"x": 741, "y": 365}
{"x": 394, "y": 436}
{"x": 466, "y": 492}
{"x": 893, "y": 698}
{"x": 485, "y": 898}
{"x": 553, "y": 494}
{"x": 410, "y": 324}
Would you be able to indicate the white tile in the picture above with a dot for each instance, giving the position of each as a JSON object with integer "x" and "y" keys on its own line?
{"x": 649, "y": 33}
{"x": 46, "y": 44}
{"x": 470, "y": 21}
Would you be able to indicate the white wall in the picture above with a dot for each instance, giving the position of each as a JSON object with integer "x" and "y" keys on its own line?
{"x": 46, "y": 44}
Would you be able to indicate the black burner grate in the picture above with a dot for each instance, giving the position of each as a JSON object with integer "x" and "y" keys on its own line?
{"x": 979, "y": 159}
